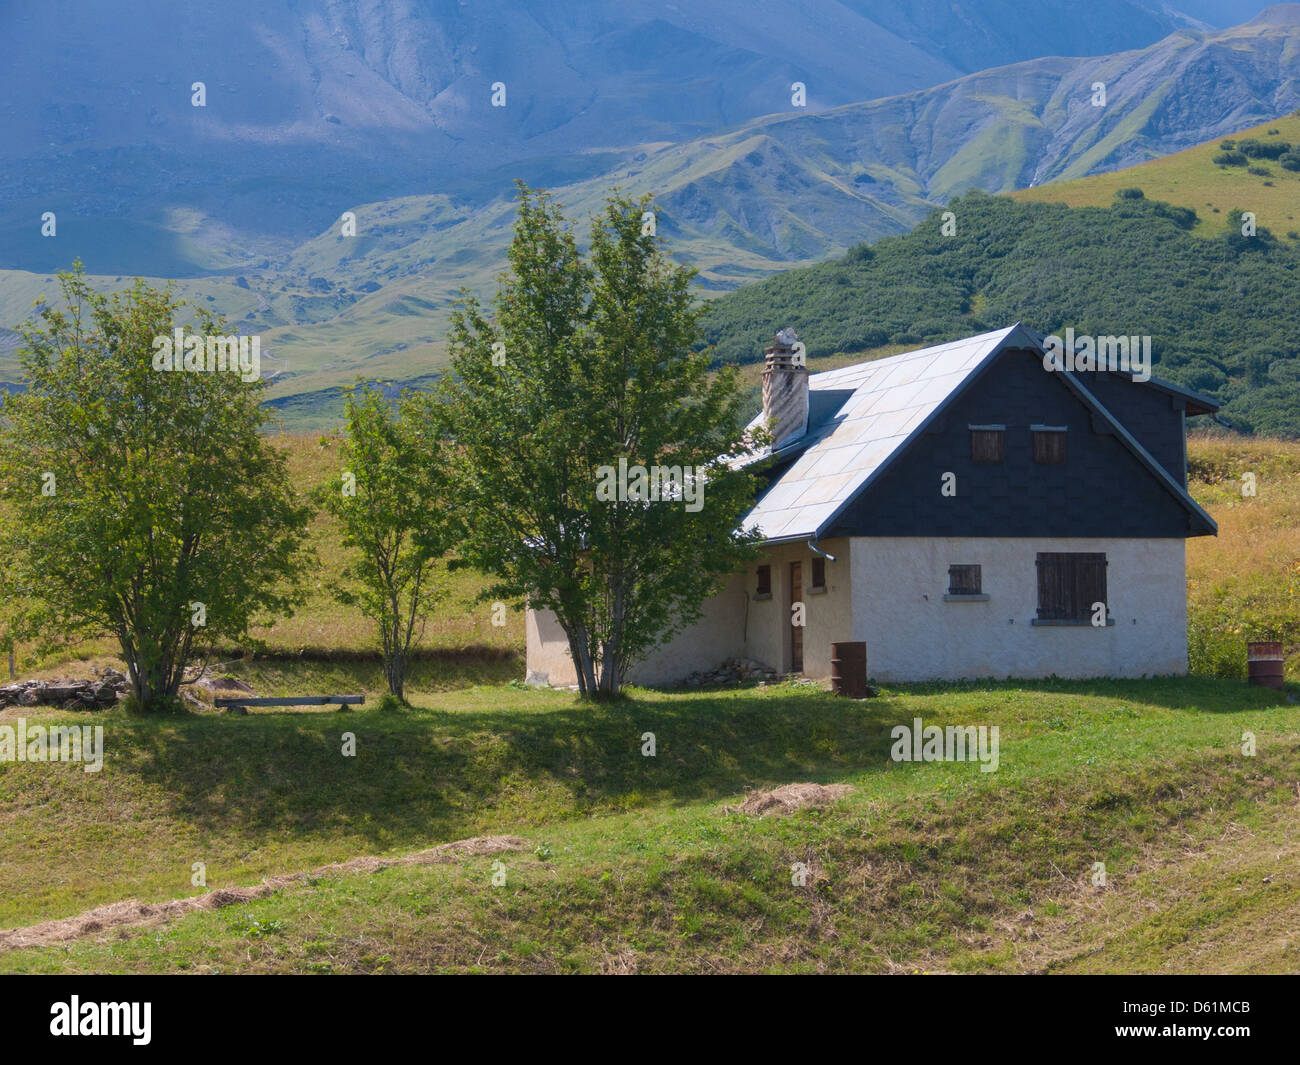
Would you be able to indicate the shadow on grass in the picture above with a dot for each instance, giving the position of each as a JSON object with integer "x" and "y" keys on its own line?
{"x": 434, "y": 774}
{"x": 1200, "y": 694}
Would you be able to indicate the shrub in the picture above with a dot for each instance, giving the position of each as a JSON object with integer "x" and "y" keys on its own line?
{"x": 1259, "y": 150}
{"x": 1129, "y": 194}
{"x": 1230, "y": 159}
{"x": 1215, "y": 647}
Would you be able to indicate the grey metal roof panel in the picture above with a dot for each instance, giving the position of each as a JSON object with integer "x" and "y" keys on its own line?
{"x": 892, "y": 400}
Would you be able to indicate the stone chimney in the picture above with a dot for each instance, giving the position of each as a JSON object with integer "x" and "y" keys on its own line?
{"x": 785, "y": 389}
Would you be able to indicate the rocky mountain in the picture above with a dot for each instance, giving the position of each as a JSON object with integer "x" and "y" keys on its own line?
{"x": 313, "y": 105}
{"x": 383, "y": 109}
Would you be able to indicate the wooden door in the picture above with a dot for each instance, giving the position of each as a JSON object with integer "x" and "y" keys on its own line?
{"x": 796, "y": 631}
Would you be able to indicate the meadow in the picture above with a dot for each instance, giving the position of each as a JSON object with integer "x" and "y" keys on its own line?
{"x": 617, "y": 861}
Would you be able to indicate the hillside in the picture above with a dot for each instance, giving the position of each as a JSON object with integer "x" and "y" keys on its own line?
{"x": 619, "y": 863}
{"x": 322, "y": 104}
{"x": 1132, "y": 268}
{"x": 786, "y": 188}
{"x": 1192, "y": 179}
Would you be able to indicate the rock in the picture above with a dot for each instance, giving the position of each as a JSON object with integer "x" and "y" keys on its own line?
{"x": 537, "y": 680}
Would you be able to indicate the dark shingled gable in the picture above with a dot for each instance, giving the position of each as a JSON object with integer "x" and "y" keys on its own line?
{"x": 1103, "y": 489}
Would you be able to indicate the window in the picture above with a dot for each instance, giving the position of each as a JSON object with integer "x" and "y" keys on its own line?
{"x": 765, "y": 581}
{"x": 988, "y": 443}
{"x": 1069, "y": 583}
{"x": 964, "y": 580}
{"x": 818, "y": 572}
{"x": 1049, "y": 444}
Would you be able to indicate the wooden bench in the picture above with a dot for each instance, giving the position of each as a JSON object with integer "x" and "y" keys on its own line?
{"x": 239, "y": 704}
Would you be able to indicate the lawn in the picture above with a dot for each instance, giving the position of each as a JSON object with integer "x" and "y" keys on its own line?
{"x": 631, "y": 861}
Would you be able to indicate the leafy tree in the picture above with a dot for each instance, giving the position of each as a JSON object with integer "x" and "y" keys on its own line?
{"x": 589, "y": 362}
{"x": 391, "y": 500}
{"x": 137, "y": 503}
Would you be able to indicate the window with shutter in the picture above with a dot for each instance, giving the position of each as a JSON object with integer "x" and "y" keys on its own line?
{"x": 818, "y": 572}
{"x": 987, "y": 443}
{"x": 1049, "y": 445}
{"x": 765, "y": 580}
{"x": 964, "y": 580}
{"x": 1069, "y": 583}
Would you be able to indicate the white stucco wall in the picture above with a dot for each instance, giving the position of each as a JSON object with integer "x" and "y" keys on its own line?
{"x": 735, "y": 625}
{"x": 913, "y": 634}
{"x": 889, "y": 592}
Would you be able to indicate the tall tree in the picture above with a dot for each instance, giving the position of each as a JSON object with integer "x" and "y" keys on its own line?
{"x": 391, "y": 500}
{"x": 588, "y": 370}
{"x": 139, "y": 503}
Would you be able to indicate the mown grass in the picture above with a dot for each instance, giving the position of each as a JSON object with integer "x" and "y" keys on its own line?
{"x": 915, "y": 869}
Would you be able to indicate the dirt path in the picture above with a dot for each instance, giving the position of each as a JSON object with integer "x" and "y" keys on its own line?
{"x": 131, "y": 913}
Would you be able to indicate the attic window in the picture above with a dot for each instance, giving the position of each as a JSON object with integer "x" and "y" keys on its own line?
{"x": 764, "y": 582}
{"x": 818, "y": 574}
{"x": 988, "y": 443}
{"x": 1049, "y": 444}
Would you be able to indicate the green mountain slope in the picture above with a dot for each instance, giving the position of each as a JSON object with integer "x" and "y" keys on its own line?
{"x": 1191, "y": 178}
{"x": 1220, "y": 312}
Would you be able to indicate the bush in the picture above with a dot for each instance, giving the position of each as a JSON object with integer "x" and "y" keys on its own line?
{"x": 1259, "y": 150}
{"x": 1290, "y": 162}
{"x": 1215, "y": 648}
{"x": 1259, "y": 171}
{"x": 1230, "y": 159}
{"x": 390, "y": 703}
{"x": 1130, "y": 194}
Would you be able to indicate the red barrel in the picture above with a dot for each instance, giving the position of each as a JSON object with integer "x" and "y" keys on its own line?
{"x": 849, "y": 669}
{"x": 1264, "y": 663}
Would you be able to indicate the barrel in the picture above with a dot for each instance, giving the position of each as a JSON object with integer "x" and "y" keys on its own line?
{"x": 849, "y": 669}
{"x": 1264, "y": 662}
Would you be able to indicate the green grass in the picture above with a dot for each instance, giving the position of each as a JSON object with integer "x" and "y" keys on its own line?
{"x": 921, "y": 867}
{"x": 1190, "y": 178}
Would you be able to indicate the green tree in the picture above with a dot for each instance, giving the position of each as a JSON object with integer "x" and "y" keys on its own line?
{"x": 588, "y": 363}
{"x": 138, "y": 503}
{"x": 391, "y": 500}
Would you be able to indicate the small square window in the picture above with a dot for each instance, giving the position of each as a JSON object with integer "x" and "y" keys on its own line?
{"x": 764, "y": 580}
{"x": 964, "y": 580}
{"x": 1049, "y": 446}
{"x": 818, "y": 572}
{"x": 987, "y": 443}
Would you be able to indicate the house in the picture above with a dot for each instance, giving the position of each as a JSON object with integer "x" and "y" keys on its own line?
{"x": 966, "y": 510}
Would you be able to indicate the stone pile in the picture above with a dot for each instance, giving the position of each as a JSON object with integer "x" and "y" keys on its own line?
{"x": 732, "y": 671}
{"x": 93, "y": 694}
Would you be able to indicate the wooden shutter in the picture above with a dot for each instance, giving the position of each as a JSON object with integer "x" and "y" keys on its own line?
{"x": 819, "y": 573}
{"x": 1069, "y": 583}
{"x": 1049, "y": 447}
{"x": 987, "y": 445}
{"x": 963, "y": 580}
{"x": 764, "y": 580}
